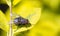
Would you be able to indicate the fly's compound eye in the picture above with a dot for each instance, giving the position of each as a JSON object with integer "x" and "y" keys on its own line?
{"x": 22, "y": 22}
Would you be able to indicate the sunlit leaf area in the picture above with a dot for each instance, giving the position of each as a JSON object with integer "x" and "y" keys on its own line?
{"x": 30, "y": 17}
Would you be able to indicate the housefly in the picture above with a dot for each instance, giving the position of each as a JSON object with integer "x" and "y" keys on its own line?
{"x": 20, "y": 21}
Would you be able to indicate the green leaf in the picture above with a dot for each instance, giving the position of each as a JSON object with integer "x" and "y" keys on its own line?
{"x": 3, "y": 22}
{"x": 14, "y": 2}
{"x": 3, "y": 1}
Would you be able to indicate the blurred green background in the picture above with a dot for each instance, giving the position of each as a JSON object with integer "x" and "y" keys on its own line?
{"x": 48, "y": 23}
